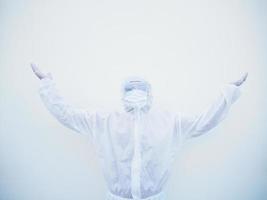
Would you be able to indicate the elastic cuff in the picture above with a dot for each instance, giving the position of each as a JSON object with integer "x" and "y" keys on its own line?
{"x": 231, "y": 92}
{"x": 45, "y": 83}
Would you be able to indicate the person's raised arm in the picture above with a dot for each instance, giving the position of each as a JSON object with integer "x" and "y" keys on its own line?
{"x": 76, "y": 119}
{"x": 195, "y": 125}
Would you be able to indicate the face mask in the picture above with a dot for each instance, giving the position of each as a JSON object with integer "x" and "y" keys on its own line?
{"x": 136, "y": 98}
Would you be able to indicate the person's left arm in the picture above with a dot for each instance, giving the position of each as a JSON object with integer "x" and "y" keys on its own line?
{"x": 195, "y": 125}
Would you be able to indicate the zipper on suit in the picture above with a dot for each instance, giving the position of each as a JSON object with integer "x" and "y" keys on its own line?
{"x": 136, "y": 161}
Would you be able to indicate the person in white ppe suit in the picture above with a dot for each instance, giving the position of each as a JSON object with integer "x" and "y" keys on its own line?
{"x": 138, "y": 146}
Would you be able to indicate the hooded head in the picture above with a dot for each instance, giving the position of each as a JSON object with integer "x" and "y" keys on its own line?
{"x": 136, "y": 94}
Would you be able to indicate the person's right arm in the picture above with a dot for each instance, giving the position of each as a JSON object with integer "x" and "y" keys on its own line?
{"x": 76, "y": 119}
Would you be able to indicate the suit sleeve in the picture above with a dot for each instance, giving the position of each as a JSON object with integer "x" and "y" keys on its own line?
{"x": 199, "y": 124}
{"x": 76, "y": 119}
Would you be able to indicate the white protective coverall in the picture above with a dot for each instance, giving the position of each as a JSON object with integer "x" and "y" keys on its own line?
{"x": 136, "y": 147}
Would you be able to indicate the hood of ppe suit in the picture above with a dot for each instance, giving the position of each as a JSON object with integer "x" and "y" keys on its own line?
{"x": 136, "y": 94}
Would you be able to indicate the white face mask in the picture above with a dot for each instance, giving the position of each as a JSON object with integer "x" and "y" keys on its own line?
{"x": 136, "y": 98}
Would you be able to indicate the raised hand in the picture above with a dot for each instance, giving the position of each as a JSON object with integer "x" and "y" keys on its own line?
{"x": 241, "y": 80}
{"x": 39, "y": 73}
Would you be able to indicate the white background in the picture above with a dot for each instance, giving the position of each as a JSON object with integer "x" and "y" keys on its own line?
{"x": 186, "y": 49}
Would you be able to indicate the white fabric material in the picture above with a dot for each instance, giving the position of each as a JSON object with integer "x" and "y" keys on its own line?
{"x": 137, "y": 149}
{"x": 159, "y": 196}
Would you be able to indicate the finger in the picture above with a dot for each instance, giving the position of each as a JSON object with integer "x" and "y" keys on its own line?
{"x": 34, "y": 67}
{"x": 243, "y": 79}
{"x": 37, "y": 71}
{"x": 245, "y": 76}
